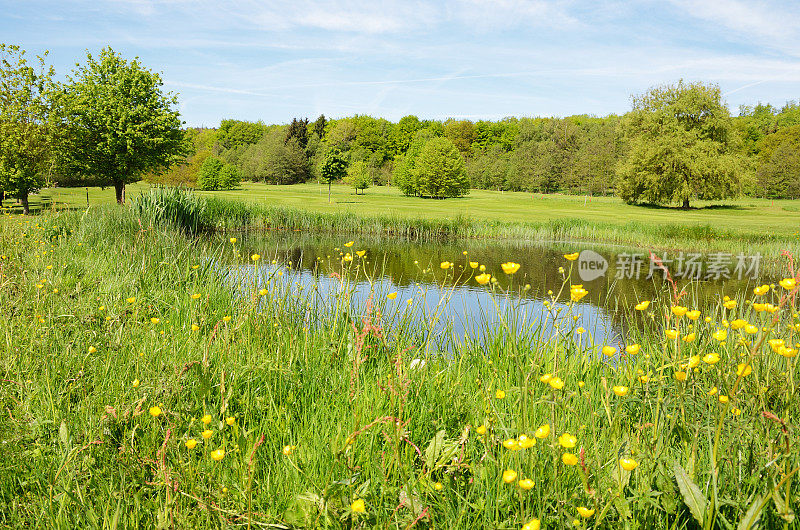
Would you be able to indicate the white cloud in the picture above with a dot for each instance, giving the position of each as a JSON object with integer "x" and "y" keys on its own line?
{"x": 771, "y": 24}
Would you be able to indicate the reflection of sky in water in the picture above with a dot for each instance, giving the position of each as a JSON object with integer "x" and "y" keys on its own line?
{"x": 450, "y": 314}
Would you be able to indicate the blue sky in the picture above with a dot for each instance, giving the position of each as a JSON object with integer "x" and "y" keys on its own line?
{"x": 275, "y": 60}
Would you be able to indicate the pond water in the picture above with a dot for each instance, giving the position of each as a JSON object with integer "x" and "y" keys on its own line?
{"x": 452, "y": 307}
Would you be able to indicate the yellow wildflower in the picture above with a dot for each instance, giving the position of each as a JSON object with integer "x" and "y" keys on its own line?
{"x": 711, "y": 358}
{"x": 569, "y": 459}
{"x": 510, "y": 267}
{"x": 567, "y": 440}
{"x": 509, "y": 476}
{"x": 628, "y": 464}
{"x": 483, "y": 279}
{"x": 572, "y": 257}
{"x": 643, "y": 305}
{"x": 526, "y": 484}
{"x": 543, "y": 431}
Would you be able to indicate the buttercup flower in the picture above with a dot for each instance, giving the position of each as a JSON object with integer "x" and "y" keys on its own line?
{"x": 509, "y": 476}
{"x": 510, "y": 267}
{"x": 621, "y": 390}
{"x": 585, "y": 512}
{"x": 543, "y": 431}
{"x": 632, "y": 349}
{"x": 569, "y": 459}
{"x": 609, "y": 351}
{"x": 533, "y": 524}
{"x": 483, "y": 278}
{"x": 217, "y": 454}
{"x": 392, "y": 296}
{"x": 641, "y": 306}
{"x": 526, "y": 484}
{"x": 155, "y": 411}
{"x": 572, "y": 257}
{"x": 711, "y": 358}
{"x": 628, "y": 464}
{"x": 576, "y": 292}
{"x": 671, "y": 334}
{"x": 788, "y": 283}
{"x": 567, "y": 440}
{"x": 191, "y": 443}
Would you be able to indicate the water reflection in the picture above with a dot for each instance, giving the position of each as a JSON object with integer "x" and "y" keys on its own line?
{"x": 449, "y": 304}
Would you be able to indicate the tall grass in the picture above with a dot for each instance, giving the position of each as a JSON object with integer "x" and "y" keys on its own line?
{"x": 109, "y": 364}
{"x": 178, "y": 206}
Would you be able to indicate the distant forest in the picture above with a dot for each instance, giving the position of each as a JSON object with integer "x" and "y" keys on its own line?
{"x": 576, "y": 154}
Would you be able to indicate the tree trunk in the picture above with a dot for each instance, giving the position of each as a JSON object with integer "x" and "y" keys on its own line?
{"x": 685, "y": 204}
{"x": 2, "y": 197}
{"x": 119, "y": 188}
{"x": 329, "y": 192}
{"x": 24, "y": 200}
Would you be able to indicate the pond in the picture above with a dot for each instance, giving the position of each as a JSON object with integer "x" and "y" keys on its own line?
{"x": 452, "y": 307}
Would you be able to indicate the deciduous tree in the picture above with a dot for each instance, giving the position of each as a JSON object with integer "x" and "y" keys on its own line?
{"x": 26, "y": 133}
{"x": 682, "y": 147}
{"x": 120, "y": 122}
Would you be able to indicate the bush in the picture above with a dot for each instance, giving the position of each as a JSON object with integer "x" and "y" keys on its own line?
{"x": 229, "y": 177}
{"x": 208, "y": 178}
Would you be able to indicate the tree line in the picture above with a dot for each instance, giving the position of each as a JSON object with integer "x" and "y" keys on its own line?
{"x": 111, "y": 123}
{"x": 678, "y": 143}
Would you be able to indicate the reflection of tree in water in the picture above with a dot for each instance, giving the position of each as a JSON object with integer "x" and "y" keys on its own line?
{"x": 407, "y": 263}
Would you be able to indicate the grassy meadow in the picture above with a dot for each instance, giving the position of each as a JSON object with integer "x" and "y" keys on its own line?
{"x": 146, "y": 380}
{"x": 742, "y": 225}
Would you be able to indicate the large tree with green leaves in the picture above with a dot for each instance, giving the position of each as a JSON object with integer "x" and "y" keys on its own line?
{"x": 440, "y": 170}
{"x": 25, "y": 130}
{"x": 682, "y": 147}
{"x": 121, "y": 123}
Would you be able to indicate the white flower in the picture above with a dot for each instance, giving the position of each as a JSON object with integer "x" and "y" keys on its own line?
{"x": 417, "y": 363}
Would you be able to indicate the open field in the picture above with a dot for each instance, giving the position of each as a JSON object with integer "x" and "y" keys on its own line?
{"x": 746, "y": 215}
{"x": 147, "y": 379}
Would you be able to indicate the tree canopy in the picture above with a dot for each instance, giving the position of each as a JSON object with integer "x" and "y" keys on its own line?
{"x": 682, "y": 147}
{"x": 120, "y": 122}
{"x": 26, "y": 131}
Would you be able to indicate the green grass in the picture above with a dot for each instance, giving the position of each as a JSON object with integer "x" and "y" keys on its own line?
{"x": 335, "y": 384}
{"x": 744, "y": 224}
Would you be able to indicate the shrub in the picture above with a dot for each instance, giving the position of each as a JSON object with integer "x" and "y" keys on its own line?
{"x": 208, "y": 178}
{"x": 229, "y": 177}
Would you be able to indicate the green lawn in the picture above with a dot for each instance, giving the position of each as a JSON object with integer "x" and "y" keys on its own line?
{"x": 779, "y": 217}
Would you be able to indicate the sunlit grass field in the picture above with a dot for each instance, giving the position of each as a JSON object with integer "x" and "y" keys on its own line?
{"x": 745, "y": 215}
{"x": 146, "y": 380}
